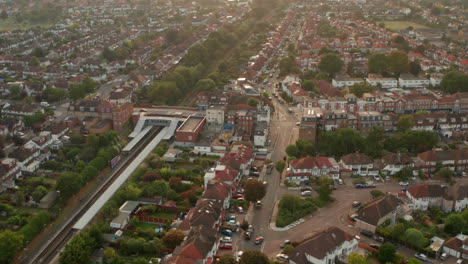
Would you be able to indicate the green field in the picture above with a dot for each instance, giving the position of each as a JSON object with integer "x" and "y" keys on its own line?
{"x": 10, "y": 24}
{"x": 398, "y": 25}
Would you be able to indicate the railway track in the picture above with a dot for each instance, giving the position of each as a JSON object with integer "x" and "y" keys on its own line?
{"x": 62, "y": 235}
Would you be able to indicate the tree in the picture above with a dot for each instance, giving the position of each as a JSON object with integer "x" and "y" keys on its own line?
{"x": 109, "y": 253}
{"x": 378, "y": 63}
{"x": 359, "y": 89}
{"x": 288, "y": 249}
{"x": 445, "y": 174}
{"x": 68, "y": 184}
{"x": 414, "y": 261}
{"x": 324, "y": 189}
{"x": 454, "y": 81}
{"x": 308, "y": 85}
{"x": 356, "y": 258}
{"x": 330, "y": 64}
{"x": 375, "y": 141}
{"x": 135, "y": 245}
{"x": 3, "y": 15}
{"x": 173, "y": 238}
{"x": 34, "y": 61}
{"x": 38, "y": 193}
{"x": 78, "y": 250}
{"x": 10, "y": 243}
{"x": 436, "y": 11}
{"x": 252, "y": 102}
{"x": 292, "y": 151}
{"x": 20, "y": 198}
{"x": 280, "y": 166}
{"x": 254, "y": 190}
{"x": 405, "y": 123}
{"x": 414, "y": 68}
{"x": 253, "y": 257}
{"x": 376, "y": 193}
{"x": 205, "y": 85}
{"x": 227, "y": 259}
{"x": 398, "y": 62}
{"x": 386, "y": 253}
{"x": 415, "y": 237}
{"x": 455, "y": 224}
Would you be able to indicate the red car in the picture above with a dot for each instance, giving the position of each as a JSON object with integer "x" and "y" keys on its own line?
{"x": 225, "y": 246}
{"x": 237, "y": 196}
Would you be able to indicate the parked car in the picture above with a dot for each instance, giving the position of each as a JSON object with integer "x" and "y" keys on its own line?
{"x": 460, "y": 261}
{"x": 233, "y": 223}
{"x": 237, "y": 196}
{"x": 443, "y": 256}
{"x": 403, "y": 183}
{"x": 377, "y": 177}
{"x": 421, "y": 256}
{"x": 387, "y": 178}
{"x": 225, "y": 246}
{"x": 340, "y": 181}
{"x": 306, "y": 193}
{"x": 282, "y": 257}
{"x": 231, "y": 217}
{"x": 359, "y": 186}
{"x": 303, "y": 189}
{"x": 353, "y": 217}
{"x": 285, "y": 243}
{"x": 250, "y": 229}
{"x": 240, "y": 209}
{"x": 367, "y": 233}
{"x": 226, "y": 239}
{"x": 380, "y": 239}
{"x": 239, "y": 255}
{"x": 376, "y": 246}
{"x": 356, "y": 203}
{"x": 247, "y": 235}
{"x": 226, "y": 232}
{"x": 258, "y": 204}
{"x": 258, "y": 240}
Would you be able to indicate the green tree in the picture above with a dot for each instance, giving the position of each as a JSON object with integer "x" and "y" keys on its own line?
{"x": 173, "y": 238}
{"x": 252, "y": 102}
{"x": 20, "y": 198}
{"x": 398, "y": 62}
{"x": 356, "y": 258}
{"x": 227, "y": 259}
{"x": 324, "y": 189}
{"x": 3, "y": 15}
{"x": 330, "y": 64}
{"x": 280, "y": 166}
{"x": 386, "y": 253}
{"x": 38, "y": 193}
{"x": 109, "y": 253}
{"x": 415, "y": 237}
{"x": 288, "y": 249}
{"x": 359, "y": 89}
{"x": 414, "y": 261}
{"x": 405, "y": 123}
{"x": 205, "y": 85}
{"x": 10, "y": 243}
{"x": 378, "y": 63}
{"x": 376, "y": 193}
{"x": 308, "y": 85}
{"x": 254, "y": 190}
{"x": 135, "y": 245}
{"x": 445, "y": 174}
{"x": 78, "y": 250}
{"x": 454, "y": 81}
{"x": 254, "y": 257}
{"x": 68, "y": 184}
{"x": 455, "y": 224}
{"x": 375, "y": 141}
{"x": 34, "y": 61}
{"x": 414, "y": 68}
{"x": 292, "y": 151}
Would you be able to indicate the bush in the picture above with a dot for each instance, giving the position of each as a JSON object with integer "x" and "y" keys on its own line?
{"x": 292, "y": 208}
{"x": 34, "y": 226}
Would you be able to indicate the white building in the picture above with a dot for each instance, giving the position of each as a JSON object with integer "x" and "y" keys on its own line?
{"x": 411, "y": 81}
{"x": 395, "y": 162}
{"x": 301, "y": 170}
{"x": 382, "y": 81}
{"x": 325, "y": 247}
{"x": 424, "y": 196}
{"x": 345, "y": 81}
{"x": 215, "y": 118}
{"x": 457, "y": 246}
{"x": 359, "y": 164}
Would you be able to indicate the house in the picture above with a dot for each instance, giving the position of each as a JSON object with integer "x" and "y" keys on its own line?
{"x": 455, "y": 198}
{"x": 359, "y": 164}
{"x": 223, "y": 173}
{"x": 384, "y": 82}
{"x": 457, "y": 246}
{"x": 218, "y": 191}
{"x": 240, "y": 157}
{"x": 199, "y": 246}
{"x": 455, "y": 160}
{"x": 392, "y": 163}
{"x": 171, "y": 155}
{"x": 324, "y": 247}
{"x": 300, "y": 170}
{"x": 261, "y": 134}
{"x": 345, "y": 81}
{"x": 411, "y": 81}
{"x": 383, "y": 208}
{"x": 424, "y": 196}
{"x": 206, "y": 213}
{"x": 19, "y": 109}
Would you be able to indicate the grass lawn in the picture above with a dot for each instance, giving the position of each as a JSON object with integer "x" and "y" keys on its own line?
{"x": 144, "y": 225}
{"x": 397, "y": 25}
{"x": 164, "y": 216}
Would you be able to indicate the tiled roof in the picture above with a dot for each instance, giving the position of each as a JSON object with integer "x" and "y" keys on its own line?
{"x": 378, "y": 209}
{"x": 311, "y": 162}
{"x": 397, "y": 159}
{"x": 216, "y": 190}
{"x": 356, "y": 159}
{"x": 426, "y": 190}
{"x": 456, "y": 193}
{"x": 320, "y": 244}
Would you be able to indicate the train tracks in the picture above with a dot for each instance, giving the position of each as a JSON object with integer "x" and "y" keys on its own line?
{"x": 60, "y": 236}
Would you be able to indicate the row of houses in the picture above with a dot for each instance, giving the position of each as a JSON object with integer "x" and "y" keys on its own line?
{"x": 306, "y": 169}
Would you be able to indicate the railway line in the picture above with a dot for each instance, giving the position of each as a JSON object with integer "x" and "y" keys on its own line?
{"x": 64, "y": 233}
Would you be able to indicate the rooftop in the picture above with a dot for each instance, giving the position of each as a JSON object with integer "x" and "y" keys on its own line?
{"x": 191, "y": 124}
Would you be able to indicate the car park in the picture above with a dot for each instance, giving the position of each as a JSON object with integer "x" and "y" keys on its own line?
{"x": 421, "y": 256}
{"x": 282, "y": 257}
{"x": 285, "y": 243}
{"x": 258, "y": 240}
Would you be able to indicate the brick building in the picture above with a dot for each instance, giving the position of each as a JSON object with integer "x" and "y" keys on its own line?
{"x": 190, "y": 129}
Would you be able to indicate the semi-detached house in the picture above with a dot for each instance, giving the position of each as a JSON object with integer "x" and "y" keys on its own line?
{"x": 384, "y": 208}
{"x": 424, "y": 196}
{"x": 301, "y": 170}
{"x": 359, "y": 164}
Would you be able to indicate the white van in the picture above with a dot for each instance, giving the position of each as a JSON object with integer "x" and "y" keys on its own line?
{"x": 45, "y": 104}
